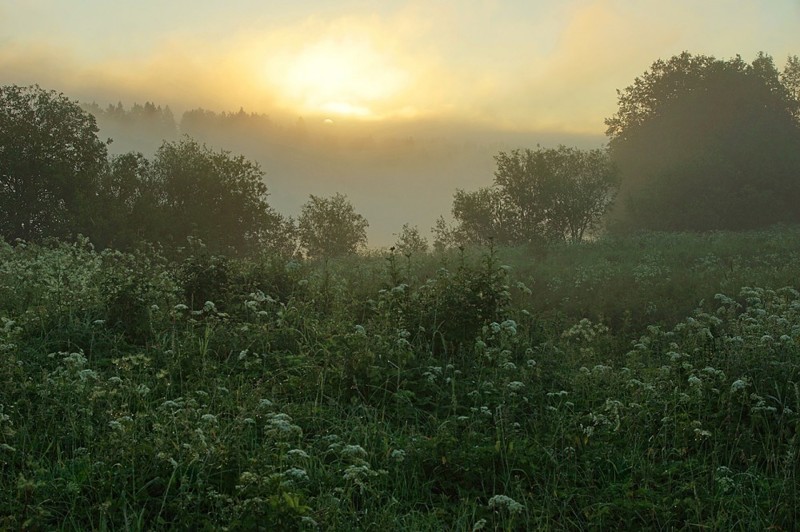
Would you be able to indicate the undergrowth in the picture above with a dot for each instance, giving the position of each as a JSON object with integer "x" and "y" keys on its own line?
{"x": 649, "y": 383}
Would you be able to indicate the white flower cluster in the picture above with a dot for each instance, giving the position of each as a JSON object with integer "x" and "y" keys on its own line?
{"x": 281, "y": 427}
{"x": 504, "y": 502}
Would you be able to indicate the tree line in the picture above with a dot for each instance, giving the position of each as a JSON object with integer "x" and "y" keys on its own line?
{"x": 697, "y": 143}
{"x": 58, "y": 180}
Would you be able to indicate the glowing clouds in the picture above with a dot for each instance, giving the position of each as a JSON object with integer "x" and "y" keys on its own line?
{"x": 344, "y": 76}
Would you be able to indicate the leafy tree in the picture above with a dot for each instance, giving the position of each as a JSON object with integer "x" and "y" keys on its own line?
{"x": 578, "y": 190}
{"x": 330, "y": 227}
{"x": 790, "y": 78}
{"x": 212, "y": 195}
{"x": 703, "y": 143}
{"x": 480, "y": 217}
{"x": 50, "y": 159}
{"x": 444, "y": 235}
{"x": 410, "y": 241}
{"x": 129, "y": 203}
{"x": 538, "y": 195}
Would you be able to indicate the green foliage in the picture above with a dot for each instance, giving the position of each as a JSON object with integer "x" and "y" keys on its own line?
{"x": 451, "y": 391}
{"x": 56, "y": 180}
{"x": 704, "y": 144}
{"x": 215, "y": 196}
{"x": 410, "y": 241}
{"x": 537, "y": 196}
{"x": 330, "y": 227}
{"x": 50, "y": 160}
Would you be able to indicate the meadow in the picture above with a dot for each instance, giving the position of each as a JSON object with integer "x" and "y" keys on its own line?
{"x": 641, "y": 383}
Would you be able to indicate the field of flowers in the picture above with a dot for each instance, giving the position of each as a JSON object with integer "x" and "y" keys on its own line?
{"x": 645, "y": 383}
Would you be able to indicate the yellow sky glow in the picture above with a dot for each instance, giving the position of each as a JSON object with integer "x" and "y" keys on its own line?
{"x": 342, "y": 76}
{"x": 504, "y": 64}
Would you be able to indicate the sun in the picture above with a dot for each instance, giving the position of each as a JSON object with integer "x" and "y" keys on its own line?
{"x": 345, "y": 76}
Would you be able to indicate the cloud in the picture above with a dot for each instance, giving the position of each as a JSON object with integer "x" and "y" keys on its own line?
{"x": 515, "y": 65}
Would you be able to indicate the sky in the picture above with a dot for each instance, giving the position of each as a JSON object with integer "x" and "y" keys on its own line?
{"x": 510, "y": 64}
{"x": 534, "y": 67}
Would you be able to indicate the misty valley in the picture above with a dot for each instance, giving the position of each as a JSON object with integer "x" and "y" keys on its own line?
{"x": 236, "y": 322}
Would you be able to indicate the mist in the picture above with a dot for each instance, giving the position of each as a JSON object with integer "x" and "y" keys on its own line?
{"x": 394, "y": 172}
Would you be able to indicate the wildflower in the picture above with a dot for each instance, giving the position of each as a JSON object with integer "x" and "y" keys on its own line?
{"x": 180, "y": 307}
{"x": 737, "y": 385}
{"x": 398, "y": 455}
{"x": 86, "y": 374}
{"x": 297, "y": 453}
{"x": 281, "y": 426}
{"x": 246, "y": 478}
{"x": 74, "y": 359}
{"x": 515, "y": 386}
{"x": 354, "y": 451}
{"x": 296, "y": 474}
{"x": 504, "y": 502}
{"x": 209, "y": 418}
{"x": 510, "y": 326}
{"x": 724, "y": 479}
{"x": 357, "y": 472}
{"x": 360, "y": 330}
{"x": 702, "y": 433}
{"x": 480, "y": 524}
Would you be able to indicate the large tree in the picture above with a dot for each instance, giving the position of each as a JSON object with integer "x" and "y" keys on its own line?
{"x": 50, "y": 160}
{"x": 538, "y": 195}
{"x": 703, "y": 143}
{"x": 330, "y": 227}
{"x": 130, "y": 203}
{"x": 213, "y": 195}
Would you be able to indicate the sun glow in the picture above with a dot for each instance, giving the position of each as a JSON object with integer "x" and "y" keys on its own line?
{"x": 344, "y": 76}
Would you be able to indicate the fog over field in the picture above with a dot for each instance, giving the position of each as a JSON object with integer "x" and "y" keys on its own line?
{"x": 394, "y": 173}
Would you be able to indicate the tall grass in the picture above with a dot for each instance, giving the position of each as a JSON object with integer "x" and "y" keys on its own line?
{"x": 643, "y": 383}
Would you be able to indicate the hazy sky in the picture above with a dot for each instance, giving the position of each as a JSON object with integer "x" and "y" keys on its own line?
{"x": 513, "y": 64}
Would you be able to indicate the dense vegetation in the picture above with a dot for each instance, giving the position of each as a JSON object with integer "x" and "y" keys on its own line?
{"x": 213, "y": 364}
{"x": 641, "y": 383}
{"x": 708, "y": 144}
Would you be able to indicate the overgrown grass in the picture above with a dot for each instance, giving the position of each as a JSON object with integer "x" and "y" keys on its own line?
{"x": 643, "y": 383}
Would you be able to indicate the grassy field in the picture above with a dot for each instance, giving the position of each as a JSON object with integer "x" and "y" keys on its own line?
{"x": 644, "y": 383}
